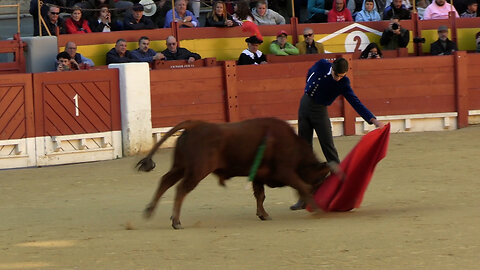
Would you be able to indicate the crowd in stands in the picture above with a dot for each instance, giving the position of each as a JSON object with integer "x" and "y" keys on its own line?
{"x": 87, "y": 16}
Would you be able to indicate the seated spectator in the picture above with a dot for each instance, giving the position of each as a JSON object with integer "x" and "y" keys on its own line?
{"x": 54, "y": 23}
{"x": 421, "y": 6}
{"x": 372, "y": 51}
{"x": 144, "y": 53}
{"x": 340, "y": 13}
{"x": 477, "y": 41}
{"x": 64, "y": 62}
{"x": 443, "y": 46}
{"x": 394, "y": 36}
{"x": 265, "y": 16}
{"x": 281, "y": 46}
{"x": 76, "y": 24}
{"x": 438, "y": 9}
{"x": 405, "y": 3}
{"x": 119, "y": 54}
{"x": 368, "y": 13}
{"x": 252, "y": 55}
{"x": 103, "y": 21}
{"x": 355, "y": 6}
{"x": 136, "y": 20}
{"x": 318, "y": 11}
{"x": 219, "y": 17}
{"x": 43, "y": 10}
{"x": 242, "y": 12}
{"x": 309, "y": 45}
{"x": 398, "y": 9}
{"x": 183, "y": 17}
{"x": 173, "y": 52}
{"x": 471, "y": 11}
{"x": 77, "y": 58}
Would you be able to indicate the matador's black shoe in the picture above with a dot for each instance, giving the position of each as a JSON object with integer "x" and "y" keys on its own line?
{"x": 299, "y": 205}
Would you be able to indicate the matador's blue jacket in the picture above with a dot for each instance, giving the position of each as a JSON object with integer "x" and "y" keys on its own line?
{"x": 324, "y": 89}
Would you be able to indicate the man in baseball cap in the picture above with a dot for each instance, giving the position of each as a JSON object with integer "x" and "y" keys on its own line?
{"x": 281, "y": 46}
{"x": 443, "y": 46}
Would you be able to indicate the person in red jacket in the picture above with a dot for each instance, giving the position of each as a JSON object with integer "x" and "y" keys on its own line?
{"x": 76, "y": 24}
{"x": 340, "y": 13}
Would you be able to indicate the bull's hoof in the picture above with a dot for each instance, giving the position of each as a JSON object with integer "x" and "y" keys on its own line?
{"x": 298, "y": 206}
{"x": 177, "y": 226}
{"x": 148, "y": 212}
{"x": 264, "y": 217}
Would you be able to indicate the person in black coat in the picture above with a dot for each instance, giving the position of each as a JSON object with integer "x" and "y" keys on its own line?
{"x": 136, "y": 20}
{"x": 173, "y": 52}
{"x": 219, "y": 17}
{"x": 443, "y": 46}
{"x": 120, "y": 54}
{"x": 44, "y": 11}
{"x": 252, "y": 55}
{"x": 397, "y": 9}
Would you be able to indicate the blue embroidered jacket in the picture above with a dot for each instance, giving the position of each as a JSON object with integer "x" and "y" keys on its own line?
{"x": 324, "y": 89}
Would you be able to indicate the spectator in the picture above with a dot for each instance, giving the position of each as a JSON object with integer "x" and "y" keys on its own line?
{"x": 184, "y": 17}
{"x": 173, "y": 52}
{"x": 398, "y": 9}
{"x": 471, "y": 11}
{"x": 438, "y": 9}
{"x": 219, "y": 17}
{"x": 54, "y": 23}
{"x": 405, "y": 3}
{"x": 136, "y": 20}
{"x": 477, "y": 41}
{"x": 103, "y": 21}
{"x": 252, "y": 55}
{"x": 64, "y": 62}
{"x": 265, "y": 16}
{"x": 144, "y": 53}
{"x": 318, "y": 11}
{"x": 461, "y": 5}
{"x": 443, "y": 46}
{"x": 242, "y": 12}
{"x": 368, "y": 13}
{"x": 76, "y": 24}
{"x": 340, "y": 13}
{"x": 77, "y": 58}
{"x": 355, "y": 6}
{"x": 394, "y": 36}
{"x": 421, "y": 6}
{"x": 119, "y": 54}
{"x": 281, "y": 46}
{"x": 43, "y": 10}
{"x": 309, "y": 45}
{"x": 372, "y": 51}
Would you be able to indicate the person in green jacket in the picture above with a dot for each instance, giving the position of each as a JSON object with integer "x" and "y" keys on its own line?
{"x": 280, "y": 46}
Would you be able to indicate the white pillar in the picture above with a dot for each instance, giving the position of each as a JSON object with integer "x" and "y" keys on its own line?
{"x": 135, "y": 106}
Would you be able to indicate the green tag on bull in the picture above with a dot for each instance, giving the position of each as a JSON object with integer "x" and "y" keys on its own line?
{"x": 257, "y": 160}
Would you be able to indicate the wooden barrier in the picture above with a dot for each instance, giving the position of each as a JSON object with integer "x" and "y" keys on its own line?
{"x": 175, "y": 64}
{"x": 15, "y": 46}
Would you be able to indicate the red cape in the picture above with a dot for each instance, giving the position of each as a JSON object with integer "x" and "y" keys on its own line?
{"x": 337, "y": 195}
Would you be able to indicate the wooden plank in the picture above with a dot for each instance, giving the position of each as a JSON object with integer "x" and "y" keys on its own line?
{"x": 170, "y": 121}
{"x": 163, "y": 75}
{"x": 189, "y": 86}
{"x": 188, "y": 110}
{"x": 185, "y": 99}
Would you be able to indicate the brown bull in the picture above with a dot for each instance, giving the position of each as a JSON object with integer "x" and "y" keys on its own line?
{"x": 229, "y": 150}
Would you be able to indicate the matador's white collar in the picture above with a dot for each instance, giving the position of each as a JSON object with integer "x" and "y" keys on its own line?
{"x": 249, "y": 53}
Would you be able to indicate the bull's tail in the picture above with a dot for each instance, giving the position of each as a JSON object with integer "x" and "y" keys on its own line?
{"x": 147, "y": 164}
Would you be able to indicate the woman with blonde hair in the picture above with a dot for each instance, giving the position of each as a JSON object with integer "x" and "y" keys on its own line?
{"x": 219, "y": 17}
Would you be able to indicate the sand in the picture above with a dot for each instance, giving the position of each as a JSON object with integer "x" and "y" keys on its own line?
{"x": 421, "y": 211}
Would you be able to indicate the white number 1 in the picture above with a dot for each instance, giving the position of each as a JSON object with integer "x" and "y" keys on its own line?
{"x": 77, "y": 113}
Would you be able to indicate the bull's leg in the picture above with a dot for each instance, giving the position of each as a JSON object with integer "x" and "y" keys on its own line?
{"x": 189, "y": 182}
{"x": 304, "y": 189}
{"x": 167, "y": 181}
{"x": 259, "y": 192}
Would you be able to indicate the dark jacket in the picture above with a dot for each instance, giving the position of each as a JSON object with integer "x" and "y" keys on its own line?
{"x": 129, "y": 23}
{"x": 402, "y": 12}
{"x": 210, "y": 22}
{"x": 53, "y": 27}
{"x": 114, "y": 57}
{"x": 390, "y": 41}
{"x": 249, "y": 58}
{"x": 97, "y": 26}
{"x": 181, "y": 54}
{"x": 44, "y": 11}
{"x": 436, "y": 48}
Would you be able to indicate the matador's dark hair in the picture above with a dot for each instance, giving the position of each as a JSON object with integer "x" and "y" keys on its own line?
{"x": 340, "y": 65}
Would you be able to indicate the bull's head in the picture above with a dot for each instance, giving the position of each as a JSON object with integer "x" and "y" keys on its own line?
{"x": 316, "y": 173}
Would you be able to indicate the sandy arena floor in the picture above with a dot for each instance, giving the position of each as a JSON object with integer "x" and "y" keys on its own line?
{"x": 421, "y": 211}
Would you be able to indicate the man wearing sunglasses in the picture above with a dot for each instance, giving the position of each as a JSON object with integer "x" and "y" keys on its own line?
{"x": 325, "y": 82}
{"x": 309, "y": 45}
{"x": 55, "y": 24}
